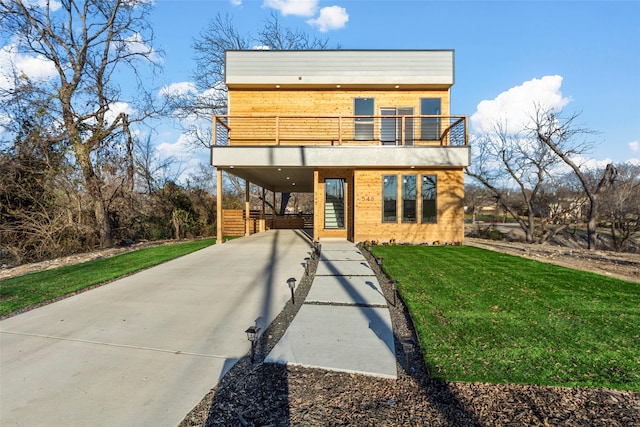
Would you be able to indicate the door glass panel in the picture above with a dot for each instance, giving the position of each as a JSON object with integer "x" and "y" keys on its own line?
{"x": 406, "y": 125}
{"x": 334, "y": 203}
{"x": 388, "y": 128}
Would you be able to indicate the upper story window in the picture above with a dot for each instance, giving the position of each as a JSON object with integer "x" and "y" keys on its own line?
{"x": 363, "y": 126}
{"x": 430, "y": 127}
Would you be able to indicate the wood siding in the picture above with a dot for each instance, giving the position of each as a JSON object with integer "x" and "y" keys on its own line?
{"x": 322, "y": 107}
{"x": 368, "y": 208}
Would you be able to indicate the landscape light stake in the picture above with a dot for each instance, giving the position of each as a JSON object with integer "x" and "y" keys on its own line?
{"x": 407, "y": 347}
{"x": 379, "y": 261}
{"x": 291, "y": 281}
{"x": 307, "y": 260}
{"x": 316, "y": 249}
{"x": 252, "y": 335}
{"x": 394, "y": 288}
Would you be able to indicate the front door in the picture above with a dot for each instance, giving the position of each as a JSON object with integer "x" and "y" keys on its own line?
{"x": 334, "y": 203}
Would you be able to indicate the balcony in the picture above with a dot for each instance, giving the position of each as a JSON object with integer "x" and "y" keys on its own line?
{"x": 391, "y": 130}
{"x": 280, "y": 153}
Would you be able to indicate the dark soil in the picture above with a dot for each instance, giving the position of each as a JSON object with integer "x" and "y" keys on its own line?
{"x": 260, "y": 394}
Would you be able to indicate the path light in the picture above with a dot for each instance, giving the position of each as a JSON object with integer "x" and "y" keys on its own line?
{"x": 379, "y": 261}
{"x": 291, "y": 281}
{"x": 307, "y": 260}
{"x": 408, "y": 347}
{"x": 252, "y": 335}
{"x": 394, "y": 288}
{"x": 316, "y": 249}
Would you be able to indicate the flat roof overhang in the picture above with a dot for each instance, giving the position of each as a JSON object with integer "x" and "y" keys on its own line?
{"x": 290, "y": 168}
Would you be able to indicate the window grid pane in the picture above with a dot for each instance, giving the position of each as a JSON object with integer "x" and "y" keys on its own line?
{"x": 429, "y": 199}
{"x": 409, "y": 196}
{"x": 430, "y": 127}
{"x": 363, "y": 126}
{"x": 389, "y": 198}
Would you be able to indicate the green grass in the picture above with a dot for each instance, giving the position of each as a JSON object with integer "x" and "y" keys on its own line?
{"x": 24, "y": 291}
{"x": 483, "y": 316}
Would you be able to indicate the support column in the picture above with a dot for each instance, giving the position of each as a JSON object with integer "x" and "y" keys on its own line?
{"x": 247, "y": 209}
{"x": 219, "y": 236}
{"x": 275, "y": 212}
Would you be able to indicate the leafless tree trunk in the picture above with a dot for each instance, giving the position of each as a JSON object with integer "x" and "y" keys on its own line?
{"x": 86, "y": 41}
{"x": 561, "y": 135}
{"x": 508, "y": 163}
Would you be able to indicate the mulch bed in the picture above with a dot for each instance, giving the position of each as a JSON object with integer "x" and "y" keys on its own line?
{"x": 261, "y": 394}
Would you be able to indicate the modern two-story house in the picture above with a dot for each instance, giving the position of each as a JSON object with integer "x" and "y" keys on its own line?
{"x": 368, "y": 132}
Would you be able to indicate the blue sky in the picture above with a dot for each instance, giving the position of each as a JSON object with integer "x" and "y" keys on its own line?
{"x": 589, "y": 51}
{"x": 580, "y": 55}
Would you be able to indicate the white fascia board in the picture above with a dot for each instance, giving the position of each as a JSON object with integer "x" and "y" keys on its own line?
{"x": 340, "y": 156}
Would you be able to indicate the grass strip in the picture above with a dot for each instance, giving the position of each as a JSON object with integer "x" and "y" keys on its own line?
{"x": 21, "y": 292}
{"x": 484, "y": 316}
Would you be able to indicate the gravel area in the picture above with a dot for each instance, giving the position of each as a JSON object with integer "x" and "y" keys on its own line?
{"x": 260, "y": 394}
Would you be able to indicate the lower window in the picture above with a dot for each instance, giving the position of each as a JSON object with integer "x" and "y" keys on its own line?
{"x": 389, "y": 198}
{"x": 409, "y": 196}
{"x": 429, "y": 199}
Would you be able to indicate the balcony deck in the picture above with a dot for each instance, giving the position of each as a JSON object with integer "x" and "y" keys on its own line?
{"x": 280, "y": 153}
{"x": 340, "y": 130}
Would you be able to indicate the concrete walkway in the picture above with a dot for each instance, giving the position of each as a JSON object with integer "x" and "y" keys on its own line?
{"x": 144, "y": 350}
{"x": 344, "y": 324}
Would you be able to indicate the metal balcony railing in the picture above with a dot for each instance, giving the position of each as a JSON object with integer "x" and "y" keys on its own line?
{"x": 340, "y": 130}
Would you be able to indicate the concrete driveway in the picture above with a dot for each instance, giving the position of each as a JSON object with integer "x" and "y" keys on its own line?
{"x": 144, "y": 350}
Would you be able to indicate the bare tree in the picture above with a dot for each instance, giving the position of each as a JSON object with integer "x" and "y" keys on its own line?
{"x": 476, "y": 198}
{"x": 196, "y": 107}
{"x": 564, "y": 137}
{"x": 621, "y": 205}
{"x": 88, "y": 43}
{"x": 509, "y": 163}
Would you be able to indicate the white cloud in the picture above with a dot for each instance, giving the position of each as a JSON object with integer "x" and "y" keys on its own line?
{"x": 330, "y": 18}
{"x": 293, "y": 7}
{"x": 178, "y": 89}
{"x": 115, "y": 109}
{"x": 515, "y": 106}
{"x": 634, "y": 146}
{"x": 53, "y": 6}
{"x": 35, "y": 68}
{"x": 185, "y": 160}
{"x": 236, "y": 2}
{"x": 134, "y": 44}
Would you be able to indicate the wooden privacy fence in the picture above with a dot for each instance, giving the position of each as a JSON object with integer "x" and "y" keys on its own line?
{"x": 234, "y": 224}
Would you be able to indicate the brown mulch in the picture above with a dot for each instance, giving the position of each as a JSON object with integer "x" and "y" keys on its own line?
{"x": 261, "y": 394}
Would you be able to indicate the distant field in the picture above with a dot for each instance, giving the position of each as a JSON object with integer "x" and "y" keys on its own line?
{"x": 20, "y": 292}
{"x": 483, "y": 316}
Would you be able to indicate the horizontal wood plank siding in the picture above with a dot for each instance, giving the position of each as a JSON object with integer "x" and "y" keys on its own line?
{"x": 313, "y": 130}
{"x": 368, "y": 208}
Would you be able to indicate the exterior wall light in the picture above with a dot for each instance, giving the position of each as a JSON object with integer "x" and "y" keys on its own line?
{"x": 291, "y": 281}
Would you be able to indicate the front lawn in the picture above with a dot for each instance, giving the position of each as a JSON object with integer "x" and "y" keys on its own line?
{"x": 483, "y": 316}
{"x": 20, "y": 292}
